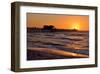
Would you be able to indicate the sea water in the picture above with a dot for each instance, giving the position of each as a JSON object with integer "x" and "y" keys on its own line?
{"x": 75, "y": 41}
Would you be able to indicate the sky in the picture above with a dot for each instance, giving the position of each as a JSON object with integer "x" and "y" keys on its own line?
{"x": 59, "y": 21}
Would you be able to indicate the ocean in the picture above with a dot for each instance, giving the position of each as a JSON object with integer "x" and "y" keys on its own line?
{"x": 74, "y": 41}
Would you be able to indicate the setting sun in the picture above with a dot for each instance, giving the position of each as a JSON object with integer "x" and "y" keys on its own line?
{"x": 76, "y": 26}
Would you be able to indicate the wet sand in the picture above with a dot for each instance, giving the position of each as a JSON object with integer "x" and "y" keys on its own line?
{"x": 46, "y": 53}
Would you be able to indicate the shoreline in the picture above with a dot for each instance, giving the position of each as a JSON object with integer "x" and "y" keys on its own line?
{"x": 45, "y": 53}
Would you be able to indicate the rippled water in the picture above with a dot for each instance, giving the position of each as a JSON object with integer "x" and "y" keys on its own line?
{"x": 77, "y": 42}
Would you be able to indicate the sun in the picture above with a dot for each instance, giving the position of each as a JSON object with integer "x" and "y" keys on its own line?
{"x": 76, "y": 26}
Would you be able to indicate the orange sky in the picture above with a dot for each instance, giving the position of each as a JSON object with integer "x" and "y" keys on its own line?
{"x": 59, "y": 21}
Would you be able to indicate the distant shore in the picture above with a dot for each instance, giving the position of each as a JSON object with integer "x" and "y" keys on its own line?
{"x": 52, "y": 30}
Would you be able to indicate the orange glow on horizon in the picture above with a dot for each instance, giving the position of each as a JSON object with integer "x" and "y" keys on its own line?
{"x": 78, "y": 22}
{"x": 76, "y": 26}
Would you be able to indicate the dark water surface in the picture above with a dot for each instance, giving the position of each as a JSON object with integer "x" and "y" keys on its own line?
{"x": 76, "y": 42}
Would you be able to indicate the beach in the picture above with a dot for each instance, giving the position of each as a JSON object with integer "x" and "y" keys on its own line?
{"x": 57, "y": 45}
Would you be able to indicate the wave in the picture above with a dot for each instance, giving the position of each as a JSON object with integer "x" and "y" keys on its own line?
{"x": 76, "y": 42}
